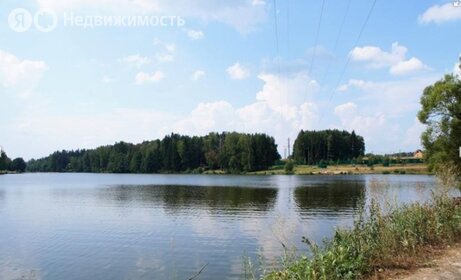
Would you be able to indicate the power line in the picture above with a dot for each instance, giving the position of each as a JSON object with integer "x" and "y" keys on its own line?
{"x": 277, "y": 61}
{"x": 338, "y": 37}
{"x": 317, "y": 33}
{"x": 355, "y": 45}
{"x": 276, "y": 31}
{"x": 316, "y": 38}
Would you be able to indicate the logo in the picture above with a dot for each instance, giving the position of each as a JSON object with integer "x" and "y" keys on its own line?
{"x": 21, "y": 20}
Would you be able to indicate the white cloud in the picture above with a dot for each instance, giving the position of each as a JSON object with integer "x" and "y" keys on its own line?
{"x": 86, "y": 130}
{"x": 413, "y": 135}
{"x": 194, "y": 34}
{"x": 107, "y": 80}
{"x": 258, "y": 2}
{"x": 407, "y": 66}
{"x": 135, "y": 60}
{"x": 320, "y": 52}
{"x": 282, "y": 108}
{"x": 198, "y": 74}
{"x": 361, "y": 84}
{"x": 243, "y": 15}
{"x": 207, "y": 117}
{"x": 164, "y": 57}
{"x": 149, "y": 78}
{"x": 375, "y": 57}
{"x": 380, "y": 111}
{"x": 457, "y": 70}
{"x": 440, "y": 14}
{"x": 238, "y": 72}
{"x": 392, "y": 97}
{"x": 15, "y": 72}
{"x": 375, "y": 128}
{"x": 285, "y": 94}
{"x": 167, "y": 52}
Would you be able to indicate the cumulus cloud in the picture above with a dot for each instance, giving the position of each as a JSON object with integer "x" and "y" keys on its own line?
{"x": 407, "y": 66}
{"x": 16, "y": 72}
{"x": 198, "y": 74}
{"x": 238, "y": 72}
{"x": 206, "y": 117}
{"x": 457, "y": 70}
{"x": 194, "y": 34}
{"x": 391, "y": 97}
{"x": 243, "y": 15}
{"x": 282, "y": 108}
{"x": 361, "y": 84}
{"x": 84, "y": 131}
{"x": 143, "y": 78}
{"x": 441, "y": 14}
{"x": 169, "y": 47}
{"x": 413, "y": 134}
{"x": 165, "y": 57}
{"x": 284, "y": 94}
{"x": 395, "y": 60}
{"x": 166, "y": 52}
{"x": 375, "y": 128}
{"x": 380, "y": 110}
{"x": 135, "y": 60}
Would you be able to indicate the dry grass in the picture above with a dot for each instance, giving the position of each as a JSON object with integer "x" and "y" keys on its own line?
{"x": 350, "y": 169}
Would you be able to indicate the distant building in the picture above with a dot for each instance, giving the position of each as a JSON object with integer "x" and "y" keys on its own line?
{"x": 419, "y": 154}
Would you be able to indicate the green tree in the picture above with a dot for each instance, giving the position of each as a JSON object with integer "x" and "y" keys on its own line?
{"x": 441, "y": 112}
{"x": 4, "y": 161}
{"x": 289, "y": 167}
{"x": 18, "y": 165}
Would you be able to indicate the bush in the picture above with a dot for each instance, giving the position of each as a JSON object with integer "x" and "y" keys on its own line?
{"x": 289, "y": 167}
{"x": 322, "y": 164}
{"x": 379, "y": 241}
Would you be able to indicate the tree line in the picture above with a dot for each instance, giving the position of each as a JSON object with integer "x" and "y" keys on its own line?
{"x": 15, "y": 165}
{"x": 232, "y": 152}
{"x": 313, "y": 147}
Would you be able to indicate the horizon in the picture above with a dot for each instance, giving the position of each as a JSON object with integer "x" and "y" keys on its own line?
{"x": 244, "y": 66}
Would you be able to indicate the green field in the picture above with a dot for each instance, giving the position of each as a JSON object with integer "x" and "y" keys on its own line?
{"x": 417, "y": 168}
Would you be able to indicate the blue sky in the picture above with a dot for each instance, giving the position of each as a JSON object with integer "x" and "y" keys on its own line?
{"x": 76, "y": 87}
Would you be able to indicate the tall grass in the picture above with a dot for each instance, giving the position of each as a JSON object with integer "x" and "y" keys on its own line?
{"x": 381, "y": 239}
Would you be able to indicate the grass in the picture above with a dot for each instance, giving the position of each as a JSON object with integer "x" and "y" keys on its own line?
{"x": 379, "y": 241}
{"x": 383, "y": 238}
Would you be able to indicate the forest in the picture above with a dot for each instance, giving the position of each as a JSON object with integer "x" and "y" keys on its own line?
{"x": 15, "y": 165}
{"x": 313, "y": 147}
{"x": 232, "y": 152}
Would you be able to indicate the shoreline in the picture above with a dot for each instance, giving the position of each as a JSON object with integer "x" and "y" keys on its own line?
{"x": 408, "y": 169}
{"x": 383, "y": 244}
{"x": 442, "y": 262}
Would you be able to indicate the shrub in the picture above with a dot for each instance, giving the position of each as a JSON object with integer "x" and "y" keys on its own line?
{"x": 289, "y": 167}
{"x": 378, "y": 240}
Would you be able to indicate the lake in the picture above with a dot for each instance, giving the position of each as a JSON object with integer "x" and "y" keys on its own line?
{"x": 107, "y": 226}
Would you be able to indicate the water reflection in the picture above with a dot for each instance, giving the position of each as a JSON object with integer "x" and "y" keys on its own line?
{"x": 2, "y": 197}
{"x": 105, "y": 226}
{"x": 230, "y": 199}
{"x": 336, "y": 197}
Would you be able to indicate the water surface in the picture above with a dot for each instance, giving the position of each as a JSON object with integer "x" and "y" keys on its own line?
{"x": 105, "y": 226}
